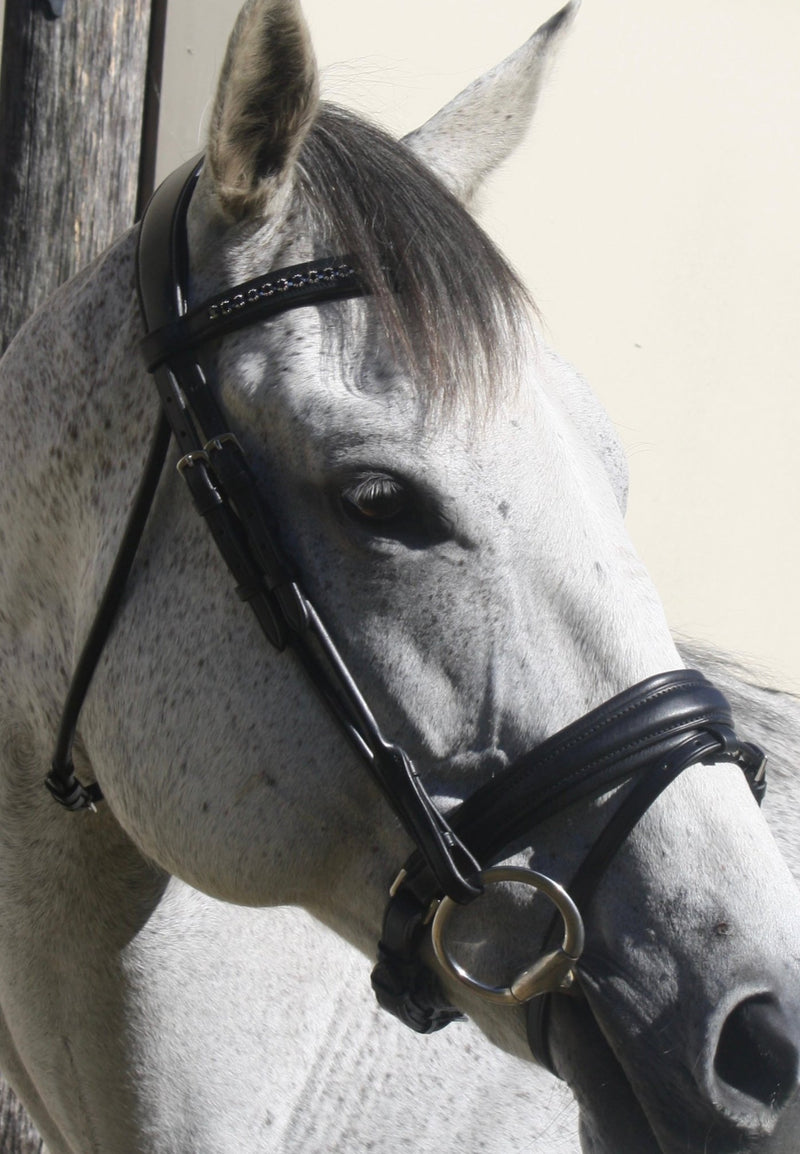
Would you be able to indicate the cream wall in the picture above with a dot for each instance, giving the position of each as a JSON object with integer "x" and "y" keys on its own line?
{"x": 654, "y": 214}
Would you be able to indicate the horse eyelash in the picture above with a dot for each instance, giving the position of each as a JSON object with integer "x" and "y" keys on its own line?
{"x": 372, "y": 487}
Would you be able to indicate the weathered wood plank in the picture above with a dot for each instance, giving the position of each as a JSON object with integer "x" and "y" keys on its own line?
{"x": 17, "y": 1133}
{"x": 71, "y": 107}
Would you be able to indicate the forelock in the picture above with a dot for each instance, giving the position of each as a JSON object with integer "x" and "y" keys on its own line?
{"x": 455, "y": 313}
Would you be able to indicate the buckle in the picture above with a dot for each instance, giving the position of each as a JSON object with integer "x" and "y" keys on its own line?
{"x": 217, "y": 444}
{"x": 189, "y": 460}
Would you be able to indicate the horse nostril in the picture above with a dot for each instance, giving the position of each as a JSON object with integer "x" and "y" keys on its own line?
{"x": 756, "y": 1055}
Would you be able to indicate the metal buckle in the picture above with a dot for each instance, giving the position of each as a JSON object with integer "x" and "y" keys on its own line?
{"x": 216, "y": 444}
{"x": 199, "y": 456}
{"x": 553, "y": 971}
{"x": 398, "y": 881}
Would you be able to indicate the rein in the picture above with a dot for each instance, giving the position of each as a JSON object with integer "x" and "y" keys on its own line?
{"x": 645, "y": 736}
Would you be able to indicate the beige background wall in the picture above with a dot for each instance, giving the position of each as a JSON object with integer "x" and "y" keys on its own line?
{"x": 654, "y": 214}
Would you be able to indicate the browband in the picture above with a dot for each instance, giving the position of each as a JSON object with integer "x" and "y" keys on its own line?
{"x": 255, "y": 300}
{"x": 162, "y": 278}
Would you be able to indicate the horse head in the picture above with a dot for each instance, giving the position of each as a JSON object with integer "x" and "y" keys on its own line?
{"x": 452, "y": 497}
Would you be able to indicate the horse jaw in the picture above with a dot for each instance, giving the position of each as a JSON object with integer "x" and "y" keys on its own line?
{"x": 480, "y": 128}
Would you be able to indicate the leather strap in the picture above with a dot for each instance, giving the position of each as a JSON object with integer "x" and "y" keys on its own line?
{"x": 620, "y": 739}
{"x": 61, "y": 781}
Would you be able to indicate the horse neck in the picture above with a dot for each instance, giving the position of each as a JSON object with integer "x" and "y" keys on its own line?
{"x": 75, "y": 366}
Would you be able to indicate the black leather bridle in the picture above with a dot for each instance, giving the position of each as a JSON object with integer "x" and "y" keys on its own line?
{"x": 644, "y": 737}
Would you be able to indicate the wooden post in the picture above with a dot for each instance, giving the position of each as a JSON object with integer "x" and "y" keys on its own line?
{"x": 72, "y": 117}
{"x": 17, "y": 1134}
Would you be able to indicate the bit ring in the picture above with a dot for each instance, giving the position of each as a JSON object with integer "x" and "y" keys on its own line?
{"x": 553, "y": 971}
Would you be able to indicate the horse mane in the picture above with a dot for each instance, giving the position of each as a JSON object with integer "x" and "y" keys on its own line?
{"x": 459, "y": 322}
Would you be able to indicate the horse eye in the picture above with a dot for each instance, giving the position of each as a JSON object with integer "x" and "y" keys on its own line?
{"x": 375, "y": 498}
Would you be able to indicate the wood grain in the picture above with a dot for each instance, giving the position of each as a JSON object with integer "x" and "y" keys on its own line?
{"x": 17, "y": 1134}
{"x": 72, "y": 96}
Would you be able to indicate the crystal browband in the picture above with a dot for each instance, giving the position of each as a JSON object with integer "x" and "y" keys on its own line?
{"x": 332, "y": 278}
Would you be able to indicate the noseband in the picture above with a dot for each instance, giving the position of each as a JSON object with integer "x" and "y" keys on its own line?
{"x": 640, "y": 740}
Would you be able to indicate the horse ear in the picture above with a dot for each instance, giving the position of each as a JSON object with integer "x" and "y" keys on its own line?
{"x": 266, "y": 102}
{"x": 481, "y": 127}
